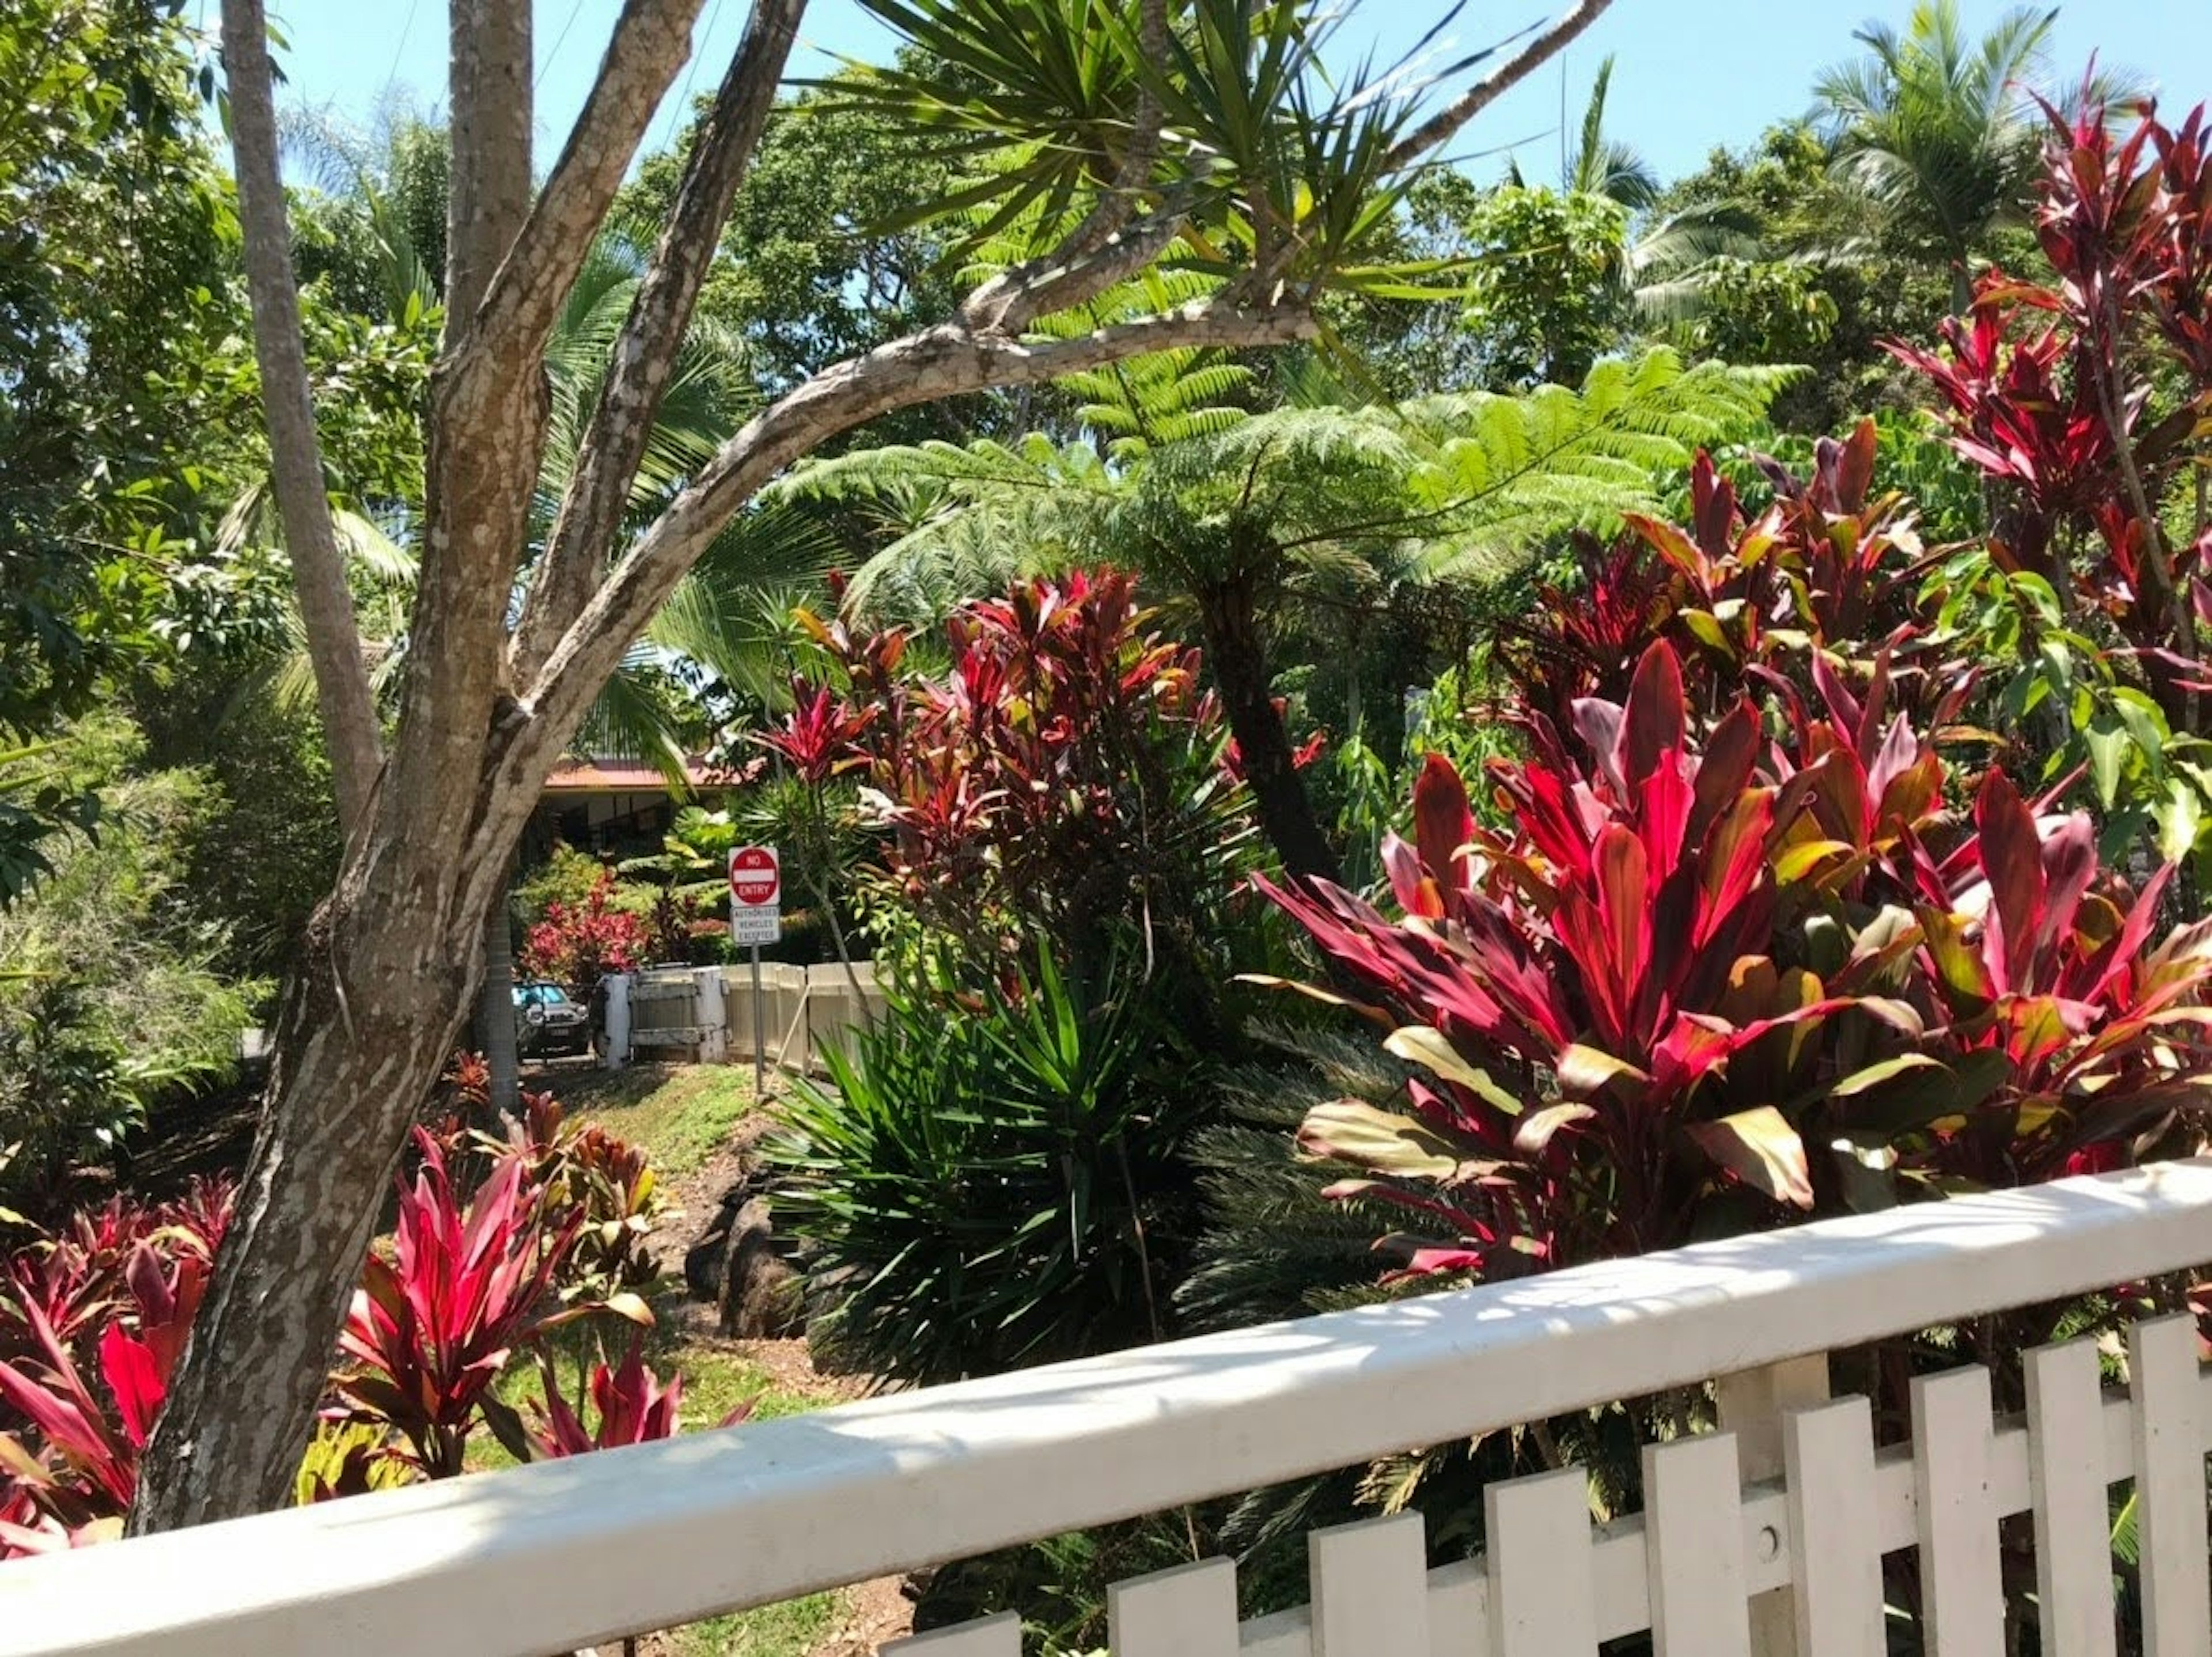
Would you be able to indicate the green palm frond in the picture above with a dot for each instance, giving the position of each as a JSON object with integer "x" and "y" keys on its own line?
{"x": 1937, "y": 129}
{"x": 1602, "y": 165}
{"x": 643, "y": 713}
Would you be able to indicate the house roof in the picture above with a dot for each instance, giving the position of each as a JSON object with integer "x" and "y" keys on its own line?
{"x": 622, "y": 775}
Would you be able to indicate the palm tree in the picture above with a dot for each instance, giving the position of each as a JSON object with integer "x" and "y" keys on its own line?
{"x": 1659, "y": 276}
{"x": 1939, "y": 129}
{"x": 1602, "y": 165}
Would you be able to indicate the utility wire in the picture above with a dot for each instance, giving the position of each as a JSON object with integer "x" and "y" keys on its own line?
{"x": 558, "y": 41}
{"x": 400, "y": 51}
{"x": 691, "y": 69}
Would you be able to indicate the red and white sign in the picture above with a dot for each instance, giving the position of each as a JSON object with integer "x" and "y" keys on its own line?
{"x": 756, "y": 876}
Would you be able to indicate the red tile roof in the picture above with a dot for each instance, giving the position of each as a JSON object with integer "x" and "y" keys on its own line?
{"x": 624, "y": 776}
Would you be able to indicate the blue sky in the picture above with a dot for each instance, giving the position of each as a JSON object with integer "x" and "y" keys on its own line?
{"x": 1691, "y": 73}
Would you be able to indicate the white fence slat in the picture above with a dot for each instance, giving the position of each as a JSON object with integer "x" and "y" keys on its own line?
{"x": 2070, "y": 1480}
{"x": 2169, "y": 1457}
{"x": 1188, "y": 1611}
{"x": 1835, "y": 1543}
{"x": 1540, "y": 1583}
{"x": 1961, "y": 1586}
{"x": 1693, "y": 1538}
{"x": 1459, "y": 1610}
{"x": 993, "y": 1636}
{"x": 1620, "y": 1586}
{"x": 1370, "y": 1588}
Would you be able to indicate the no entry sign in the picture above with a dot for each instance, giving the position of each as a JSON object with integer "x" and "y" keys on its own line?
{"x": 756, "y": 876}
{"x": 756, "y": 895}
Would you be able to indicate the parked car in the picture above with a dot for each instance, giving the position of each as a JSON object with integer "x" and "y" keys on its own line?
{"x": 548, "y": 1024}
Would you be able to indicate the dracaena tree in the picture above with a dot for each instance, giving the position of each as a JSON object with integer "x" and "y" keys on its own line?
{"x": 1202, "y": 130}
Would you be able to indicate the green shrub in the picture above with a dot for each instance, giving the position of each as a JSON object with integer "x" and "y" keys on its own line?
{"x": 109, "y": 991}
{"x": 996, "y": 1180}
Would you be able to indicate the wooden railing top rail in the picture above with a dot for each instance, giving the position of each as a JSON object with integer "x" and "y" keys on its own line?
{"x": 556, "y": 1556}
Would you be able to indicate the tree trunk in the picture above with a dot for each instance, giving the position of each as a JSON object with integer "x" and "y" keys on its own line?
{"x": 343, "y": 695}
{"x": 367, "y": 1021}
{"x": 495, "y": 1033}
{"x": 1228, "y": 614}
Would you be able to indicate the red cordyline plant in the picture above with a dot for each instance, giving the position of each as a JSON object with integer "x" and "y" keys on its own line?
{"x": 580, "y": 945}
{"x": 73, "y": 1478}
{"x": 1690, "y": 965}
{"x": 2084, "y": 402}
{"x": 2046, "y": 984}
{"x": 634, "y": 1406}
{"x": 1598, "y": 994}
{"x": 433, "y": 1327}
{"x": 819, "y": 737}
{"x": 1063, "y": 775}
{"x": 1822, "y": 569}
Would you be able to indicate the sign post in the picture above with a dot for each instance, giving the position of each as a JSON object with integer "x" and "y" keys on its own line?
{"x": 756, "y": 917}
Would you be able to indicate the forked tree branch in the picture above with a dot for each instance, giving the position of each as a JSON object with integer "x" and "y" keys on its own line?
{"x": 650, "y": 43}
{"x": 950, "y": 359}
{"x": 645, "y": 355}
{"x": 1441, "y": 128}
{"x": 319, "y": 572}
{"x": 984, "y": 349}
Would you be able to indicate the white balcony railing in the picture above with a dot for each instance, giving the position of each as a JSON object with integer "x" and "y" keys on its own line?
{"x": 1768, "y": 1539}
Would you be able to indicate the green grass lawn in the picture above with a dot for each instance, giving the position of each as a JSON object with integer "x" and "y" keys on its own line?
{"x": 681, "y": 1114}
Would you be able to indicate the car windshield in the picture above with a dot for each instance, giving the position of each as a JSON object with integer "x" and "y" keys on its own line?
{"x": 540, "y": 995}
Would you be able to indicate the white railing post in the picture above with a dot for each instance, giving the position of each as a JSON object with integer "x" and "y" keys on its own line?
{"x": 617, "y": 1017}
{"x": 1753, "y": 1403}
{"x": 709, "y": 1013}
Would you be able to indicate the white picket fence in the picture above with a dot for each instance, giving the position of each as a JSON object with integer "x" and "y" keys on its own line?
{"x": 1763, "y": 1539}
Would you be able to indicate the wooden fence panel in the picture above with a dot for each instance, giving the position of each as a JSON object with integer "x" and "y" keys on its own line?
{"x": 2070, "y": 1480}
{"x": 1693, "y": 1540}
{"x": 1370, "y": 1588}
{"x": 1541, "y": 1588}
{"x": 2169, "y": 1446}
{"x": 1188, "y": 1611}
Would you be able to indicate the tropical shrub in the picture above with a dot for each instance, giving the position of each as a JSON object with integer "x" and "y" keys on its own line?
{"x": 91, "y": 1324}
{"x": 2082, "y": 401}
{"x": 1062, "y": 780}
{"x": 110, "y": 997}
{"x": 579, "y": 944}
{"x": 1701, "y": 981}
{"x": 435, "y": 1323}
{"x": 581, "y": 1171}
{"x": 996, "y": 1180}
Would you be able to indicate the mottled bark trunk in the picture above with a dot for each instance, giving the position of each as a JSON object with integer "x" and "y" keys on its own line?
{"x": 1228, "y": 614}
{"x": 366, "y": 1025}
{"x": 343, "y": 696}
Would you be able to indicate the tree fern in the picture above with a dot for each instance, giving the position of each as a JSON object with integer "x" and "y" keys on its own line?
{"x": 1474, "y": 483}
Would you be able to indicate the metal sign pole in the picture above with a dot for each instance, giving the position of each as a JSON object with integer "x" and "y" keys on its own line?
{"x": 760, "y": 1040}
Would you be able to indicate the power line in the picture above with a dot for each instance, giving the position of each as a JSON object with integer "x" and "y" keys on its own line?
{"x": 691, "y": 69}
{"x": 400, "y": 51}
{"x": 558, "y": 41}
